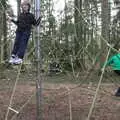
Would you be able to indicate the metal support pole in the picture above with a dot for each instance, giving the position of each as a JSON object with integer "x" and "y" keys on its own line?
{"x": 38, "y": 66}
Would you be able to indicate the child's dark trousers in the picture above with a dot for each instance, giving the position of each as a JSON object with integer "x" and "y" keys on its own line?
{"x": 20, "y": 44}
{"x": 118, "y": 90}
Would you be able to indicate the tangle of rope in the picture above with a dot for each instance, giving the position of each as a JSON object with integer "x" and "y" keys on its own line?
{"x": 13, "y": 92}
{"x": 98, "y": 87}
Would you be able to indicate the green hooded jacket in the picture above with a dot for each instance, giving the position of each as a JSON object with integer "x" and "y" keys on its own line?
{"x": 114, "y": 62}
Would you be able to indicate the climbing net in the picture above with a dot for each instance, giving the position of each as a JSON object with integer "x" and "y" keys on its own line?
{"x": 68, "y": 90}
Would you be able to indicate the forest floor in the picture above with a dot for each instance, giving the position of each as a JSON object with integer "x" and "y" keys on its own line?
{"x": 64, "y": 98}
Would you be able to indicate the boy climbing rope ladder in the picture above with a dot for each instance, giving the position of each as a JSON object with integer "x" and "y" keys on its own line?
{"x": 24, "y": 25}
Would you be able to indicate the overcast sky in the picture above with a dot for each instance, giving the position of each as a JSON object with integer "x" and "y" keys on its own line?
{"x": 59, "y": 5}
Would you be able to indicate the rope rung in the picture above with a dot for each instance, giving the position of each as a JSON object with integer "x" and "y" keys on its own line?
{"x": 13, "y": 110}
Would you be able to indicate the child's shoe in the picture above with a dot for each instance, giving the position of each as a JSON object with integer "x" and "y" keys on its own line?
{"x": 12, "y": 59}
{"x": 18, "y": 61}
{"x": 118, "y": 92}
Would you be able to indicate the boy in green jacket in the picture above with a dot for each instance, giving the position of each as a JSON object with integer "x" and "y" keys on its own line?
{"x": 114, "y": 62}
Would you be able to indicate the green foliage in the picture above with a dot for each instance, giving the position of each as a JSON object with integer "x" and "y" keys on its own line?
{"x": 72, "y": 38}
{"x": 65, "y": 38}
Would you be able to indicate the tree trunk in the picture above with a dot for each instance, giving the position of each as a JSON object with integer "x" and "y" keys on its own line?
{"x": 105, "y": 17}
{"x": 79, "y": 40}
{"x": 66, "y": 31}
{"x": 5, "y": 44}
{"x": 105, "y": 21}
{"x": 1, "y": 48}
